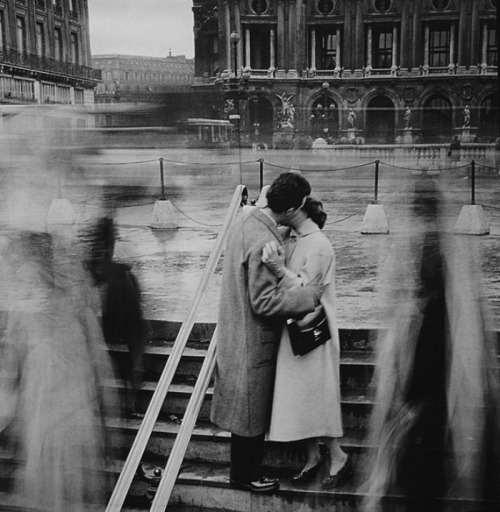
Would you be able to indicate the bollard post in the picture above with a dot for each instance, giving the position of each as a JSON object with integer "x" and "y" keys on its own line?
{"x": 377, "y": 163}
{"x": 162, "y": 181}
{"x": 473, "y": 182}
{"x": 261, "y": 173}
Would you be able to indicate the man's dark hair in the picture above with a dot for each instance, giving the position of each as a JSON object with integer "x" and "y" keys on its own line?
{"x": 287, "y": 191}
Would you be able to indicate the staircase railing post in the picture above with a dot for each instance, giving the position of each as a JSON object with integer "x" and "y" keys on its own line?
{"x": 473, "y": 182}
{"x": 261, "y": 173}
{"x": 139, "y": 445}
{"x": 162, "y": 180}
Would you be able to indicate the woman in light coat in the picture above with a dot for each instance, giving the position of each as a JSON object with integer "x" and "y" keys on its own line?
{"x": 306, "y": 400}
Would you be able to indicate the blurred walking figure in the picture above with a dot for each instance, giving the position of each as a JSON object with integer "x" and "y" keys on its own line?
{"x": 454, "y": 150}
{"x": 52, "y": 366}
{"x": 121, "y": 308}
{"x": 435, "y": 421}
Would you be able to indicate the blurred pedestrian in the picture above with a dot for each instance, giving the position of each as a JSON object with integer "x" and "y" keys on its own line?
{"x": 435, "y": 423}
{"x": 253, "y": 305}
{"x": 306, "y": 401}
{"x": 52, "y": 369}
{"x": 454, "y": 150}
{"x": 122, "y": 318}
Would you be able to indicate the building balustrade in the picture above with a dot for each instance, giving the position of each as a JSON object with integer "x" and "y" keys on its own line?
{"x": 47, "y": 64}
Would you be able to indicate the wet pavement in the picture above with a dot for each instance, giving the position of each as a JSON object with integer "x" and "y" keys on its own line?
{"x": 200, "y": 184}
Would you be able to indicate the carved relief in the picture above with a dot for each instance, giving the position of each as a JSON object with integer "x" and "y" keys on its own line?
{"x": 352, "y": 95}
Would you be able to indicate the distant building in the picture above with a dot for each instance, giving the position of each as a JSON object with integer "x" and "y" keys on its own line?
{"x": 352, "y": 68}
{"x": 45, "y": 53}
{"x": 131, "y": 78}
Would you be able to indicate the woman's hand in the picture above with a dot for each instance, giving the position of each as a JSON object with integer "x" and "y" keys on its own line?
{"x": 273, "y": 257}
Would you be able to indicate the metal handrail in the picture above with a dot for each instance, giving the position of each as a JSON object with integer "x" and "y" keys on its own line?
{"x": 181, "y": 442}
{"x": 134, "y": 457}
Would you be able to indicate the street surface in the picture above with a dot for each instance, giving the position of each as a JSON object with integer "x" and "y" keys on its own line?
{"x": 200, "y": 184}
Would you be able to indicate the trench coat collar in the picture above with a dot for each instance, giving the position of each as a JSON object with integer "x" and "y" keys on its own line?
{"x": 265, "y": 219}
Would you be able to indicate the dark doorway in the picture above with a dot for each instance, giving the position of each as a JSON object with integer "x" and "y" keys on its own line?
{"x": 324, "y": 118}
{"x": 261, "y": 119}
{"x": 437, "y": 119}
{"x": 380, "y": 121}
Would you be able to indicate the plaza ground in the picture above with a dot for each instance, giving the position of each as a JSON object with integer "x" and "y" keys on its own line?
{"x": 200, "y": 184}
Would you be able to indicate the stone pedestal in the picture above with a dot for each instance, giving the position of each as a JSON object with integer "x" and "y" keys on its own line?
{"x": 408, "y": 136}
{"x": 375, "y": 221}
{"x": 466, "y": 133}
{"x": 164, "y": 215}
{"x": 472, "y": 221}
{"x": 283, "y": 139}
{"x": 61, "y": 212}
{"x": 319, "y": 143}
{"x": 351, "y": 134}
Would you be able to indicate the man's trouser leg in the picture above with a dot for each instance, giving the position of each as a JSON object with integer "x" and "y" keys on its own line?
{"x": 246, "y": 458}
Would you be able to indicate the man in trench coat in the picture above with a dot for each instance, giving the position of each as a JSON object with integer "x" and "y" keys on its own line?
{"x": 254, "y": 304}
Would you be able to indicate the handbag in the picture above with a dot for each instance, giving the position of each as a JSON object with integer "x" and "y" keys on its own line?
{"x": 305, "y": 339}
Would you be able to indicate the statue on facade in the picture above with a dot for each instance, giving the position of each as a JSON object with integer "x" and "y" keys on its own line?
{"x": 286, "y": 114}
{"x": 351, "y": 118}
{"x": 408, "y": 118}
{"x": 466, "y": 116}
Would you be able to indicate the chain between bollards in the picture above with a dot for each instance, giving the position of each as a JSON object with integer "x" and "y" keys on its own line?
{"x": 261, "y": 173}
{"x": 473, "y": 182}
{"x": 162, "y": 181}
{"x": 377, "y": 163}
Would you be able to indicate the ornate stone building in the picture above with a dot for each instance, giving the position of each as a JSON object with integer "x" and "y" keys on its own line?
{"x": 372, "y": 70}
{"x": 131, "y": 78}
{"x": 45, "y": 52}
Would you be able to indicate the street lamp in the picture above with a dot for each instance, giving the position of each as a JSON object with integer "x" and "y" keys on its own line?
{"x": 235, "y": 39}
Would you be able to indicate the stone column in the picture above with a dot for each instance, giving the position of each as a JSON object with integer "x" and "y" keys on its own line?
{"x": 416, "y": 54}
{"x": 369, "y": 48}
{"x": 405, "y": 27}
{"x": 248, "y": 42}
{"x": 272, "y": 57}
{"x": 484, "y": 46}
{"x": 475, "y": 31}
{"x": 463, "y": 35}
{"x": 359, "y": 36}
{"x": 226, "y": 31}
{"x": 452, "y": 46}
{"x": 426, "y": 47}
{"x": 300, "y": 36}
{"x": 347, "y": 54}
{"x": 292, "y": 41}
{"x": 395, "y": 58}
{"x": 237, "y": 28}
{"x": 313, "y": 50}
{"x": 338, "y": 67}
{"x": 281, "y": 35}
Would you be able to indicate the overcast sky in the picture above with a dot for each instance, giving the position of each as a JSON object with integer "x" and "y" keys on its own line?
{"x": 141, "y": 27}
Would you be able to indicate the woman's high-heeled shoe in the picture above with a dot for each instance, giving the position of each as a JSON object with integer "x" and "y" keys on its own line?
{"x": 306, "y": 475}
{"x": 343, "y": 474}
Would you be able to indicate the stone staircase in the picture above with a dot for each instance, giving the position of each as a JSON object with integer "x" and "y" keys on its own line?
{"x": 202, "y": 484}
{"x": 203, "y": 478}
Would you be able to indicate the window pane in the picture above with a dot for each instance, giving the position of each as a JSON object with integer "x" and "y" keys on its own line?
{"x": 439, "y": 46}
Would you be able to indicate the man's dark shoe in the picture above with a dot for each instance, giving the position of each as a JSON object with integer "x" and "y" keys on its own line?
{"x": 264, "y": 484}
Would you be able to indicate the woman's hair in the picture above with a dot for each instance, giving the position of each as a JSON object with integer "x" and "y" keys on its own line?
{"x": 314, "y": 209}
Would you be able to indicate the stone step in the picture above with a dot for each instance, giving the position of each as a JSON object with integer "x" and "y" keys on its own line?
{"x": 356, "y": 366}
{"x": 356, "y": 405}
{"x": 210, "y": 443}
{"x": 206, "y": 485}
